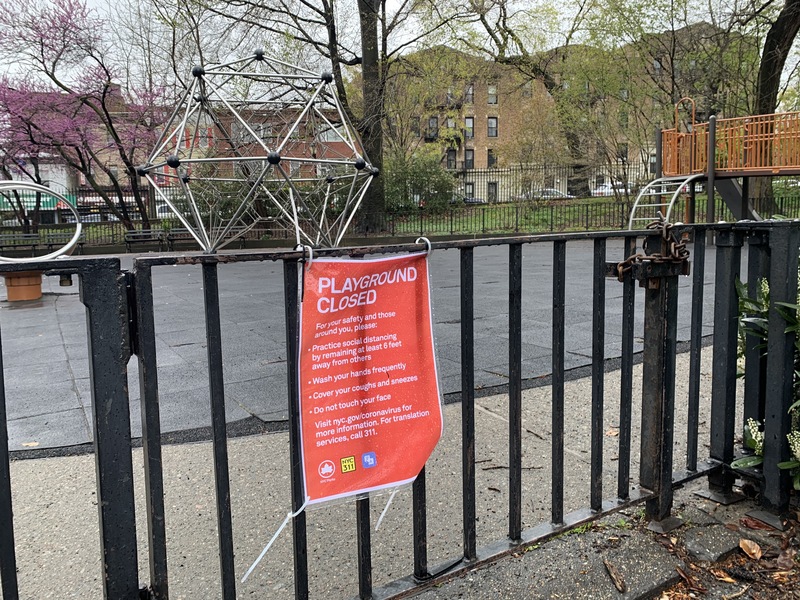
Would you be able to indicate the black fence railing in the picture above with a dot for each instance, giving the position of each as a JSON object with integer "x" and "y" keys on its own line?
{"x": 121, "y": 317}
{"x": 519, "y": 217}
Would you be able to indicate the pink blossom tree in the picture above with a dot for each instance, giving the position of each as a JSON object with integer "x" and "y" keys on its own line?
{"x": 62, "y": 100}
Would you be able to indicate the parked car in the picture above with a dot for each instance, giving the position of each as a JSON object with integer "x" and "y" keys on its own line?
{"x": 543, "y": 194}
{"x": 611, "y": 189}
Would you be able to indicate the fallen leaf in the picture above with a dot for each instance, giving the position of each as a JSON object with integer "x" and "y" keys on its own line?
{"x": 30, "y": 444}
{"x": 750, "y": 548}
{"x": 786, "y": 559}
{"x": 616, "y": 577}
{"x": 691, "y": 582}
{"x": 732, "y": 526}
{"x": 751, "y": 523}
{"x": 612, "y": 432}
{"x": 722, "y": 576}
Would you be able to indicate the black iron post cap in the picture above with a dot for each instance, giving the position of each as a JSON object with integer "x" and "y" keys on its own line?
{"x": 198, "y": 71}
{"x": 330, "y": 179}
{"x": 142, "y": 170}
{"x": 173, "y": 161}
{"x": 326, "y": 77}
{"x": 375, "y": 171}
{"x": 273, "y": 158}
{"x": 259, "y": 53}
{"x": 360, "y": 163}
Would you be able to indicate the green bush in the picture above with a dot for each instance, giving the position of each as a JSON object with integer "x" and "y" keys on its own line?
{"x": 418, "y": 181}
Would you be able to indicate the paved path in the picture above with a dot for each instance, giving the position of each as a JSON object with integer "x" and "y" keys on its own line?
{"x": 57, "y": 538}
{"x": 46, "y": 361}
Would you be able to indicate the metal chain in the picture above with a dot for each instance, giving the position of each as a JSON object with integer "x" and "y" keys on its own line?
{"x": 676, "y": 250}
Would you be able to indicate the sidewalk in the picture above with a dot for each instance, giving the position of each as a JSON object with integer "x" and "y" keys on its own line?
{"x": 58, "y": 548}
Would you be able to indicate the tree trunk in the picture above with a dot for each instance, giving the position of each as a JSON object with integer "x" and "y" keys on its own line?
{"x": 371, "y": 124}
{"x": 777, "y": 45}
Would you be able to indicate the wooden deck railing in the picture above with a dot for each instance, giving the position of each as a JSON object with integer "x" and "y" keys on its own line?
{"x": 755, "y": 145}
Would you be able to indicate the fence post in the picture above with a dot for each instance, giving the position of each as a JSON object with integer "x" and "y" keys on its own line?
{"x": 103, "y": 293}
{"x": 299, "y": 528}
{"x": 711, "y": 170}
{"x": 723, "y": 377}
{"x": 8, "y": 558}
{"x": 755, "y": 357}
{"x": 784, "y": 239}
{"x": 660, "y": 282}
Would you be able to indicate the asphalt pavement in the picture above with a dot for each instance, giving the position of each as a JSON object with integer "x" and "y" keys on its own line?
{"x": 46, "y": 363}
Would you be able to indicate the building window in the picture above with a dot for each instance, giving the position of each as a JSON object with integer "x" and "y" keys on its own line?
{"x": 415, "y": 126}
{"x": 469, "y": 189}
{"x": 653, "y": 163}
{"x": 469, "y": 93}
{"x": 491, "y": 159}
{"x": 451, "y": 123}
{"x": 492, "y": 94}
{"x": 492, "y": 127}
{"x": 527, "y": 89}
{"x": 657, "y": 67}
{"x": 433, "y": 128}
{"x": 469, "y": 159}
{"x": 491, "y": 191}
{"x": 451, "y": 159}
{"x": 469, "y": 127}
{"x": 622, "y": 153}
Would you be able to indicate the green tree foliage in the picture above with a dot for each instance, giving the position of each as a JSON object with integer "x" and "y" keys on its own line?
{"x": 417, "y": 181}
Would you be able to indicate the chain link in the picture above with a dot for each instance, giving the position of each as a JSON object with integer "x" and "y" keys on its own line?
{"x": 676, "y": 250}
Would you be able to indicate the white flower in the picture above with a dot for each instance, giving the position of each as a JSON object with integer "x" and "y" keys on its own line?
{"x": 757, "y": 435}
{"x": 794, "y": 444}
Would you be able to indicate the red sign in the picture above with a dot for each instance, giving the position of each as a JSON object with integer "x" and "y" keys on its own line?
{"x": 369, "y": 393}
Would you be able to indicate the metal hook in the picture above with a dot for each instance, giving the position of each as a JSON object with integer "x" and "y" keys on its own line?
{"x": 427, "y": 242}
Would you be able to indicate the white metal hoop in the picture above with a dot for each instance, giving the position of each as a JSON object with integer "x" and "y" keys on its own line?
{"x": 6, "y": 186}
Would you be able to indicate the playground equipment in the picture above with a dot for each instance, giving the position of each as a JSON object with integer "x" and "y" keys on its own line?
{"x": 722, "y": 153}
{"x": 259, "y": 140}
{"x": 27, "y": 285}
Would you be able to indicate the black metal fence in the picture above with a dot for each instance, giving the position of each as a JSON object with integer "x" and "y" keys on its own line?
{"x": 121, "y": 322}
{"x": 524, "y": 217}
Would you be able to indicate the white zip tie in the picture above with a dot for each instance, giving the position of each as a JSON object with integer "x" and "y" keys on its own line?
{"x": 289, "y": 515}
{"x": 385, "y": 510}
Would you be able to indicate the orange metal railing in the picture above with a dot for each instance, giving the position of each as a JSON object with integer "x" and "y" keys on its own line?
{"x": 762, "y": 144}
